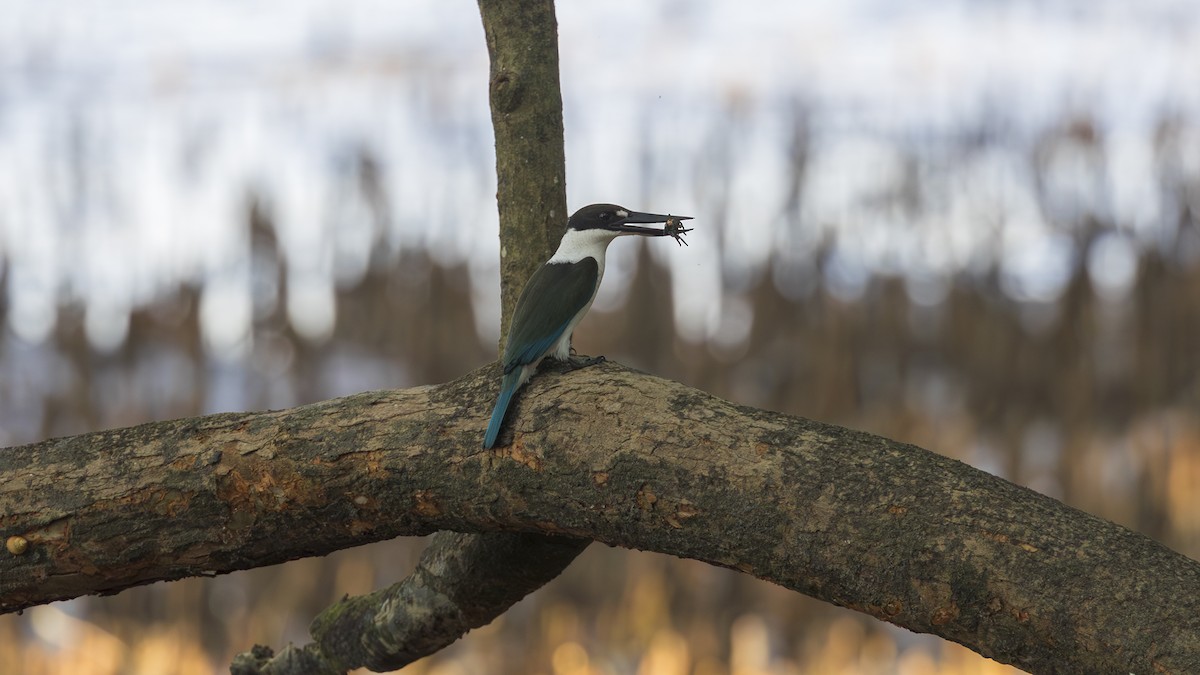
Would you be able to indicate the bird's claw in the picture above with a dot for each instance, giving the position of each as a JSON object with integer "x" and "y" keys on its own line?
{"x": 578, "y": 362}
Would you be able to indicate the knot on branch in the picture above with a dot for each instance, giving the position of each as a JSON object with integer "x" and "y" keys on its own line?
{"x": 505, "y": 90}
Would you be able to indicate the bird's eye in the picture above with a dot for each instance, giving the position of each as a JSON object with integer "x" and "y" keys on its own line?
{"x": 605, "y": 215}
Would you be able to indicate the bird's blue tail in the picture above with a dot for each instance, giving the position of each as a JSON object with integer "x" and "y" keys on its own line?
{"x": 507, "y": 388}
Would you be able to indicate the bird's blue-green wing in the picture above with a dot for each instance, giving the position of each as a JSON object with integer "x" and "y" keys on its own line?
{"x": 551, "y": 298}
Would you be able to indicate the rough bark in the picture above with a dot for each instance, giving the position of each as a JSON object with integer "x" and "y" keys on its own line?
{"x": 610, "y": 454}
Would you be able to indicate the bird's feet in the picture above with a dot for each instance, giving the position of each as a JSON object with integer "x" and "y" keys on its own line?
{"x": 578, "y": 362}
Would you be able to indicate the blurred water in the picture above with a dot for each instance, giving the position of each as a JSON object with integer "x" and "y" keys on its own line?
{"x": 133, "y": 136}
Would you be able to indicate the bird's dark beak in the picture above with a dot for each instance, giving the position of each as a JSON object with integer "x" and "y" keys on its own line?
{"x": 626, "y": 224}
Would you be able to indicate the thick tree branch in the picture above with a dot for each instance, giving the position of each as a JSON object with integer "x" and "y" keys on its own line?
{"x": 606, "y": 453}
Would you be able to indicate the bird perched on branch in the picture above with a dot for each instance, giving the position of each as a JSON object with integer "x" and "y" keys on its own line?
{"x": 560, "y": 292}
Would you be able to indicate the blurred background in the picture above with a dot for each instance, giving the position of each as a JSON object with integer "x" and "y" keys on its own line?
{"x": 966, "y": 224}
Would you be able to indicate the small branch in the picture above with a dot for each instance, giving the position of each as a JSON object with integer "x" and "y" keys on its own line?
{"x": 453, "y": 590}
{"x": 628, "y": 459}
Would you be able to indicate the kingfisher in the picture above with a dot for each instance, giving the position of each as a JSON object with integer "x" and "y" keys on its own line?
{"x": 561, "y": 291}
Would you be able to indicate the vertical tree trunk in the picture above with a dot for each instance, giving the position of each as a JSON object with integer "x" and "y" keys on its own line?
{"x": 526, "y": 101}
{"x": 440, "y": 601}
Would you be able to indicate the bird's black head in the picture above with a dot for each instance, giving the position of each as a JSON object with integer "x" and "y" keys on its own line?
{"x": 617, "y": 219}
